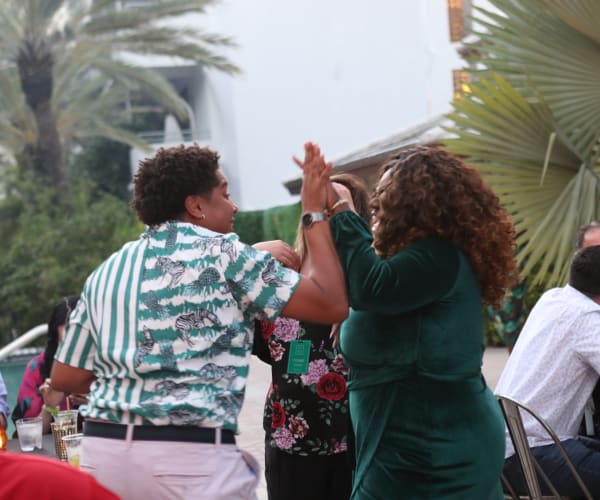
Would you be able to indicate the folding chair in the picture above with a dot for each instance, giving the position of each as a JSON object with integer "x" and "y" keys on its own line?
{"x": 532, "y": 471}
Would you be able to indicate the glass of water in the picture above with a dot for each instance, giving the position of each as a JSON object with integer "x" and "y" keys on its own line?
{"x": 29, "y": 431}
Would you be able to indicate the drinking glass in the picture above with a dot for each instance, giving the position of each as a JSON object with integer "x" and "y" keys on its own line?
{"x": 29, "y": 431}
{"x": 58, "y": 432}
{"x": 73, "y": 446}
{"x": 66, "y": 417}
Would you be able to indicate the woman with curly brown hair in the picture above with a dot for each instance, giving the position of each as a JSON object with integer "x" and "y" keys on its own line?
{"x": 426, "y": 424}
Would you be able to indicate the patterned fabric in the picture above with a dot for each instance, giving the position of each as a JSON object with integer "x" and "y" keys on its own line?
{"x": 555, "y": 364}
{"x": 166, "y": 325}
{"x": 305, "y": 414}
{"x": 29, "y": 399}
{"x": 508, "y": 320}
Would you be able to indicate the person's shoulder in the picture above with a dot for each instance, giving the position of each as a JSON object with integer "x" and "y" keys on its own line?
{"x": 435, "y": 244}
{"x": 34, "y": 363}
{"x": 440, "y": 252}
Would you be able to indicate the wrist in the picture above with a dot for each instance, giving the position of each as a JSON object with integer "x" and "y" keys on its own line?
{"x": 340, "y": 205}
{"x": 51, "y": 410}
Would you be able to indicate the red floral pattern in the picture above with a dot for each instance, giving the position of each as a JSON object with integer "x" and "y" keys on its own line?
{"x": 277, "y": 416}
{"x": 331, "y": 386}
{"x": 266, "y": 328}
{"x": 305, "y": 413}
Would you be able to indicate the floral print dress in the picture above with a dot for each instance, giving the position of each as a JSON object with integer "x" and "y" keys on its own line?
{"x": 305, "y": 413}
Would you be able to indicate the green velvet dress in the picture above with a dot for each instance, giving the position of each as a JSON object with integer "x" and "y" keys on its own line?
{"x": 426, "y": 424}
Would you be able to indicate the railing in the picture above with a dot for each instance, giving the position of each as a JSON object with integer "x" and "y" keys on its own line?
{"x": 23, "y": 340}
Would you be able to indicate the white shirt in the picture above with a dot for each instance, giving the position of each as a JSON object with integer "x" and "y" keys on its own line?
{"x": 555, "y": 364}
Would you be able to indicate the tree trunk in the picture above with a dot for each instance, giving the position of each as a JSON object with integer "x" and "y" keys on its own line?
{"x": 35, "y": 63}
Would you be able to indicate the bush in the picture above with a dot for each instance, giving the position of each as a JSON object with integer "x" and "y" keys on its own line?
{"x": 53, "y": 246}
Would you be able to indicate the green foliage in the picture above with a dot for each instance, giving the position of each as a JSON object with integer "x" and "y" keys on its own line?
{"x": 531, "y": 123}
{"x": 494, "y": 321}
{"x": 105, "y": 164}
{"x": 277, "y": 223}
{"x": 53, "y": 245}
{"x": 67, "y": 55}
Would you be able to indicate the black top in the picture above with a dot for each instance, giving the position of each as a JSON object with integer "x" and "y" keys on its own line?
{"x": 305, "y": 414}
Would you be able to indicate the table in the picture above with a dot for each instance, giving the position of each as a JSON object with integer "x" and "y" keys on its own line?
{"x": 47, "y": 447}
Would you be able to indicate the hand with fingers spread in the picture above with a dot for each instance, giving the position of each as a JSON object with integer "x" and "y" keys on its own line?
{"x": 316, "y": 178}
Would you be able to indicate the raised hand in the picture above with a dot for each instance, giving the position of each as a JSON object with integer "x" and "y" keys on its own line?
{"x": 50, "y": 396}
{"x": 315, "y": 180}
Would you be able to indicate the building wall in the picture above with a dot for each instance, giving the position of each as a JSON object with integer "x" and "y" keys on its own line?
{"x": 342, "y": 73}
{"x": 339, "y": 72}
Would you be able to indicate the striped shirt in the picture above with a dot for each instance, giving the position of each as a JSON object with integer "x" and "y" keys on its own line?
{"x": 166, "y": 326}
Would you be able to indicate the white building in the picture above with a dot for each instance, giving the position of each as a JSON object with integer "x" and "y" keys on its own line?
{"x": 340, "y": 72}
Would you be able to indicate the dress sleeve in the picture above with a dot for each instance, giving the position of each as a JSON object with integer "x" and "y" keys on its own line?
{"x": 260, "y": 284}
{"x": 78, "y": 347}
{"x": 419, "y": 274}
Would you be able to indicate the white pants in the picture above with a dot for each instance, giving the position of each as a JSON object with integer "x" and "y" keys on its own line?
{"x": 168, "y": 470}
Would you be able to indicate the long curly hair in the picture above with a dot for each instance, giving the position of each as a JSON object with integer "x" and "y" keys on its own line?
{"x": 425, "y": 191}
{"x": 163, "y": 182}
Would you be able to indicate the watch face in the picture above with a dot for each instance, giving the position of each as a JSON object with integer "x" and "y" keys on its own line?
{"x": 307, "y": 220}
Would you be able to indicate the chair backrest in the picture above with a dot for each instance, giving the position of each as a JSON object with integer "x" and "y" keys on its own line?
{"x": 529, "y": 466}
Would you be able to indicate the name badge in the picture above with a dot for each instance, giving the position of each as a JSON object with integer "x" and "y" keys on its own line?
{"x": 298, "y": 358}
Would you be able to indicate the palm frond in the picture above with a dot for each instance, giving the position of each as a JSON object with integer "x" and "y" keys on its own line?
{"x": 559, "y": 61}
{"x": 549, "y": 192}
{"x": 581, "y": 15}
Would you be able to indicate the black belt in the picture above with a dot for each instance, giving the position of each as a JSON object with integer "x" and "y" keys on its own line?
{"x": 158, "y": 432}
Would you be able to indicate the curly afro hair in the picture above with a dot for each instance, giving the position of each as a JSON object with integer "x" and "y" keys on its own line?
{"x": 424, "y": 192}
{"x": 162, "y": 183}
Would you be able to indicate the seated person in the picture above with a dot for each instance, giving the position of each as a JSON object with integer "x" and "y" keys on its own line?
{"x": 35, "y": 391}
{"x": 553, "y": 369}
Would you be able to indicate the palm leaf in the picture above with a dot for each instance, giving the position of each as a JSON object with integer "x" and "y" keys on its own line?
{"x": 555, "y": 60}
{"x": 506, "y": 136}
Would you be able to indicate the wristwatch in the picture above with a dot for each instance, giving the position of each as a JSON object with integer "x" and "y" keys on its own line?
{"x": 309, "y": 218}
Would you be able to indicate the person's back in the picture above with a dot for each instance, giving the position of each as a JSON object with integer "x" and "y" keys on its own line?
{"x": 553, "y": 367}
{"x": 162, "y": 334}
{"x": 160, "y": 276}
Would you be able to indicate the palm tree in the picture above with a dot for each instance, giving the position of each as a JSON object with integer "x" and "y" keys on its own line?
{"x": 531, "y": 123}
{"x": 63, "y": 77}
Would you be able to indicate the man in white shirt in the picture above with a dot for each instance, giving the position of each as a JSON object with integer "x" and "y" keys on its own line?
{"x": 553, "y": 369}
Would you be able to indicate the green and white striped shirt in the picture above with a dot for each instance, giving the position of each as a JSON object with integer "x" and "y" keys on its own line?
{"x": 166, "y": 325}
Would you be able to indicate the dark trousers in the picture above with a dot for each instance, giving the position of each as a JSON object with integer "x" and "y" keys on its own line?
{"x": 293, "y": 477}
{"x": 583, "y": 452}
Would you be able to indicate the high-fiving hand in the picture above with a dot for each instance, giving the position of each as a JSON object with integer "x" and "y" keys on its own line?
{"x": 315, "y": 180}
